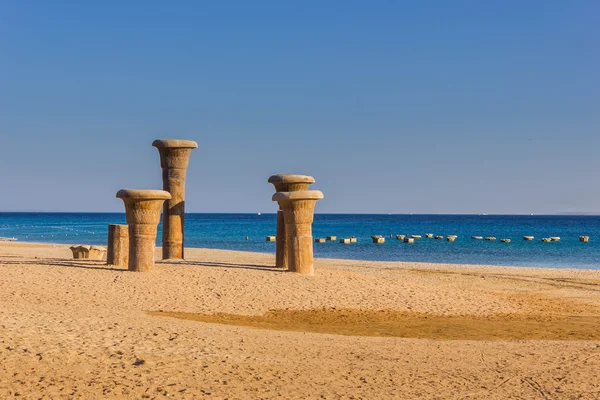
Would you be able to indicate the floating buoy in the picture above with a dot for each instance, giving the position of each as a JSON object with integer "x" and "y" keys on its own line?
{"x": 345, "y": 241}
{"x": 400, "y": 237}
{"x": 331, "y": 238}
{"x": 438, "y": 237}
{"x": 490, "y": 238}
{"x": 353, "y": 239}
{"x": 546, "y": 240}
{"x": 415, "y": 236}
{"x": 429, "y": 235}
{"x": 271, "y": 238}
{"x": 477, "y": 237}
{"x": 246, "y": 237}
{"x": 378, "y": 239}
{"x": 505, "y": 240}
{"x": 451, "y": 238}
{"x": 320, "y": 240}
{"x": 584, "y": 239}
{"x": 555, "y": 239}
{"x": 409, "y": 240}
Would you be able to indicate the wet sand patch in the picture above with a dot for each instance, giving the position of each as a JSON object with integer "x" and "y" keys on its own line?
{"x": 389, "y": 323}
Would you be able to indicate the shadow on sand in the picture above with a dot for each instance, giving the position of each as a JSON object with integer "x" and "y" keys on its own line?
{"x": 214, "y": 264}
{"x": 58, "y": 262}
{"x": 101, "y": 265}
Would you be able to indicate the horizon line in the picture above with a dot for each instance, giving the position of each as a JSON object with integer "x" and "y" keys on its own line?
{"x": 597, "y": 213}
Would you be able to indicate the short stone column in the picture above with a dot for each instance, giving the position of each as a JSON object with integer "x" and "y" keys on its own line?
{"x": 117, "y": 252}
{"x": 174, "y": 159}
{"x": 298, "y": 211}
{"x": 286, "y": 183}
{"x": 142, "y": 208}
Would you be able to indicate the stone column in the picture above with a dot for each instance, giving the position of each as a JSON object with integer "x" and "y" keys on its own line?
{"x": 117, "y": 252}
{"x": 142, "y": 209}
{"x": 298, "y": 211}
{"x": 286, "y": 183}
{"x": 174, "y": 158}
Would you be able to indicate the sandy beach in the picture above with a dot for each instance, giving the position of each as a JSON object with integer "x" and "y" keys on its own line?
{"x": 226, "y": 324}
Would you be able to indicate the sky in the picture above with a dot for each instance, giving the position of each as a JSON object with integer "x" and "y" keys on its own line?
{"x": 392, "y": 106}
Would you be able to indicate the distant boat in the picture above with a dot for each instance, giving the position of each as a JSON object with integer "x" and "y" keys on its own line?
{"x": 259, "y": 214}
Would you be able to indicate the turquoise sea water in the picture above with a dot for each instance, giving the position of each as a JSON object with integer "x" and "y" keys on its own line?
{"x": 228, "y": 231}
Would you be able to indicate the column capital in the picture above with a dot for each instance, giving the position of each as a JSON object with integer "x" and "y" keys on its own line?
{"x": 143, "y": 194}
{"x": 291, "y": 182}
{"x": 143, "y": 206}
{"x": 174, "y": 143}
{"x": 299, "y": 207}
{"x": 174, "y": 153}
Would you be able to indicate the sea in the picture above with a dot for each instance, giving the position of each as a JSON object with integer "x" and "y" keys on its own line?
{"x": 229, "y": 231}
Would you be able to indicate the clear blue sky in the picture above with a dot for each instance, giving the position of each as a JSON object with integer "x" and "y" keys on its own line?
{"x": 394, "y": 107}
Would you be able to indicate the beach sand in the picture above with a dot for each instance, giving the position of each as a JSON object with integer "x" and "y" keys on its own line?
{"x": 225, "y": 324}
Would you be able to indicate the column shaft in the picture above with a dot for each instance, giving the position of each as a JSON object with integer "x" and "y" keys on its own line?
{"x": 141, "y": 247}
{"x": 173, "y": 213}
{"x": 300, "y": 248}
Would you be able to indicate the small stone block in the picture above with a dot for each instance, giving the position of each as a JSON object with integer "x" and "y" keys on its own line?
{"x": 505, "y": 240}
{"x": 429, "y": 235}
{"x": 320, "y": 240}
{"x": 331, "y": 238}
{"x": 438, "y": 237}
{"x": 490, "y": 238}
{"x": 80, "y": 252}
{"x": 271, "y": 238}
{"x": 353, "y": 239}
{"x": 345, "y": 241}
{"x": 409, "y": 240}
{"x": 97, "y": 253}
{"x": 584, "y": 239}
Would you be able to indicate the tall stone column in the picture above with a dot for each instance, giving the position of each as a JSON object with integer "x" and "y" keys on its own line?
{"x": 298, "y": 211}
{"x": 174, "y": 159}
{"x": 142, "y": 208}
{"x": 286, "y": 183}
{"x": 118, "y": 245}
